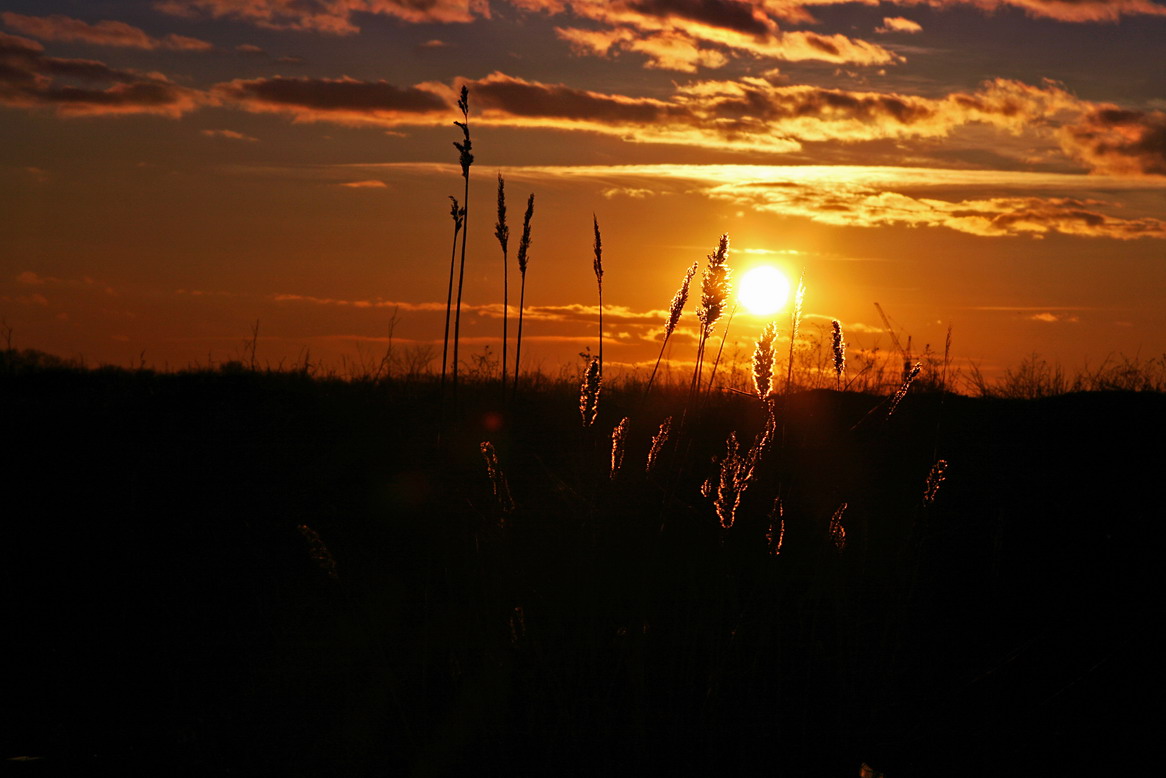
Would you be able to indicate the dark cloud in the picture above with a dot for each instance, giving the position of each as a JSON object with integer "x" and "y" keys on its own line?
{"x": 342, "y": 100}
{"x": 1112, "y": 140}
{"x": 727, "y": 14}
{"x": 28, "y": 79}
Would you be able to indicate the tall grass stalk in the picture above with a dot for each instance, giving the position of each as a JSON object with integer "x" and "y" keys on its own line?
{"x": 714, "y": 293}
{"x": 458, "y": 214}
{"x": 674, "y": 310}
{"x": 721, "y": 348}
{"x": 838, "y": 346}
{"x": 502, "y": 233}
{"x": 795, "y": 322}
{"x": 597, "y": 265}
{"x": 523, "y": 251}
{"x": 465, "y": 158}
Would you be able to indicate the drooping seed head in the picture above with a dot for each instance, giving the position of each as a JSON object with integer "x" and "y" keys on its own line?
{"x": 679, "y": 300}
{"x": 658, "y": 441}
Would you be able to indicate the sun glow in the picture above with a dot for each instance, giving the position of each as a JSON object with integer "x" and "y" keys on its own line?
{"x": 763, "y": 290}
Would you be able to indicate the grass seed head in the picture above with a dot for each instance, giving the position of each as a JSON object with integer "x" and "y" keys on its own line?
{"x": 679, "y": 300}
{"x": 589, "y": 393}
{"x": 715, "y": 287}
{"x": 934, "y": 479}
{"x": 618, "y": 438}
{"x": 763, "y": 361}
{"x": 658, "y": 441}
{"x": 501, "y": 231}
{"x": 497, "y": 477}
{"x": 524, "y": 242}
{"x": 775, "y": 535}
{"x": 837, "y": 531}
{"x": 839, "y": 348}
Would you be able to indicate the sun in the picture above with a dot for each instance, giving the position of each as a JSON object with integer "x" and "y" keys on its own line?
{"x": 763, "y": 290}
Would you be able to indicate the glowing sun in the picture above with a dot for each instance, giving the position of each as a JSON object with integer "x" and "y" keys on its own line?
{"x": 763, "y": 290}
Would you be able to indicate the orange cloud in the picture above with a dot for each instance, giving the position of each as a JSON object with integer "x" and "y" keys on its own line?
{"x": 899, "y": 24}
{"x": 1060, "y": 10}
{"x": 368, "y": 184}
{"x": 685, "y": 35}
{"x": 103, "y": 33}
{"x": 29, "y": 79}
{"x": 749, "y": 114}
{"x": 873, "y": 197}
{"x": 1111, "y": 140}
{"x": 228, "y": 134}
{"x": 329, "y": 16}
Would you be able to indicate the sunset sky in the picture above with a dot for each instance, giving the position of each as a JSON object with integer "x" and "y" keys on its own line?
{"x": 174, "y": 171}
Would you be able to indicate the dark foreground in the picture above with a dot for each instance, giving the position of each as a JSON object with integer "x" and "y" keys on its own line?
{"x": 165, "y": 615}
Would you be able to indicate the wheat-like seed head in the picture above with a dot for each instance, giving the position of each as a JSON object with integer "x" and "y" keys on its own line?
{"x": 501, "y": 231}
{"x": 589, "y": 393}
{"x": 618, "y": 437}
{"x": 465, "y": 158}
{"x": 775, "y": 536}
{"x": 715, "y": 287}
{"x": 934, "y": 479}
{"x": 912, "y": 374}
{"x": 839, "y": 348}
{"x": 457, "y": 213}
{"x": 597, "y": 264}
{"x": 763, "y": 361}
{"x": 658, "y": 441}
{"x": 679, "y": 300}
{"x": 524, "y": 242}
{"x": 837, "y": 531}
{"x": 497, "y": 477}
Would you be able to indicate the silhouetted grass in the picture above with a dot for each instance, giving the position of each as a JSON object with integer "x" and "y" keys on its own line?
{"x": 269, "y": 573}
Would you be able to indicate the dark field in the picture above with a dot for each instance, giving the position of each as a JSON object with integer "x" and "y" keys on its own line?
{"x": 164, "y": 615}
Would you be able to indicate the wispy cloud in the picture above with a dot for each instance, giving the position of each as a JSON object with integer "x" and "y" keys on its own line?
{"x": 850, "y": 196}
{"x": 103, "y": 33}
{"x": 367, "y": 184}
{"x": 229, "y": 135}
{"x": 329, "y": 16}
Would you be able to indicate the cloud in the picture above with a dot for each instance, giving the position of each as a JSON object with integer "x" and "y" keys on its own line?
{"x": 874, "y": 197}
{"x": 898, "y": 24}
{"x": 342, "y": 100}
{"x": 367, "y": 184}
{"x": 329, "y": 16}
{"x": 755, "y": 115}
{"x": 750, "y": 114}
{"x": 228, "y": 134}
{"x": 685, "y": 35}
{"x": 1060, "y": 10}
{"x": 103, "y": 33}
{"x": 1121, "y": 142}
{"x": 29, "y": 79}
{"x": 1053, "y": 318}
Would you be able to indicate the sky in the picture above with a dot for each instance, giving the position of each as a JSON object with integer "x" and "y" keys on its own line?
{"x": 178, "y": 179}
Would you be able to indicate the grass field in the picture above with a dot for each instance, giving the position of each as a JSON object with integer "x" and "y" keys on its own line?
{"x": 251, "y": 572}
